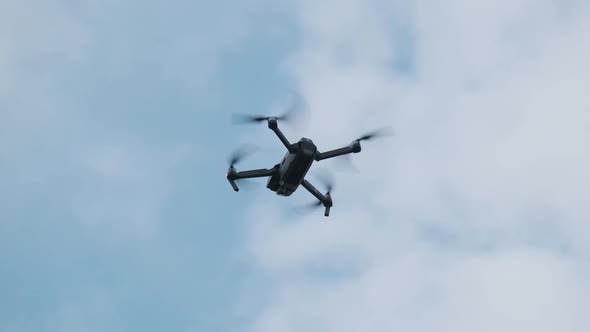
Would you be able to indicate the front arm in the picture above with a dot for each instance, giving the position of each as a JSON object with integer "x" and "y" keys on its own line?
{"x": 354, "y": 147}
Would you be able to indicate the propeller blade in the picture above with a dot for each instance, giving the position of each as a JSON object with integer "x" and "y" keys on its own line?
{"x": 307, "y": 208}
{"x": 239, "y": 154}
{"x": 314, "y": 205}
{"x": 381, "y": 132}
{"x": 327, "y": 181}
{"x": 345, "y": 164}
{"x": 245, "y": 118}
{"x": 297, "y": 106}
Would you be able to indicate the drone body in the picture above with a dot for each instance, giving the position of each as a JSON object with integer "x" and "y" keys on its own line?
{"x": 289, "y": 174}
{"x": 293, "y": 168}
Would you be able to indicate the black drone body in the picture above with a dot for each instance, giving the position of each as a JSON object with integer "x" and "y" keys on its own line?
{"x": 284, "y": 178}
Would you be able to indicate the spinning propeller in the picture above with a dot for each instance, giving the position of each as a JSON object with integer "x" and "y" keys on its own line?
{"x": 239, "y": 154}
{"x": 327, "y": 182}
{"x": 236, "y": 157}
{"x": 346, "y": 160}
{"x": 285, "y": 177}
{"x": 245, "y": 118}
{"x": 296, "y": 107}
{"x": 381, "y": 132}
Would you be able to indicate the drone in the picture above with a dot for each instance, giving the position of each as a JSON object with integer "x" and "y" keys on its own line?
{"x": 285, "y": 177}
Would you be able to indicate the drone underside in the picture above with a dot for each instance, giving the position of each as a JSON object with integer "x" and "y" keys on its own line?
{"x": 285, "y": 177}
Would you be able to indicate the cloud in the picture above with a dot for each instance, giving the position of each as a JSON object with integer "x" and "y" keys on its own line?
{"x": 424, "y": 290}
{"x": 77, "y": 93}
{"x": 473, "y": 217}
{"x": 105, "y": 202}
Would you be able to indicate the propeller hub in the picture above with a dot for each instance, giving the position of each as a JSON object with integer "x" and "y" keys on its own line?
{"x": 328, "y": 203}
{"x": 356, "y": 146}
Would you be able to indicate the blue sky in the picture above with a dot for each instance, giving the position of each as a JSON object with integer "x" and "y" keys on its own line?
{"x": 115, "y": 129}
{"x": 115, "y": 211}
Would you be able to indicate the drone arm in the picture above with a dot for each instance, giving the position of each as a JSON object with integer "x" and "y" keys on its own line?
{"x": 256, "y": 173}
{"x": 272, "y": 124}
{"x": 313, "y": 191}
{"x": 232, "y": 175}
{"x": 355, "y": 147}
{"x": 325, "y": 199}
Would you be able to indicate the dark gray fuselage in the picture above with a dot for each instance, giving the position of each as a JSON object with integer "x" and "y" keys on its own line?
{"x": 293, "y": 168}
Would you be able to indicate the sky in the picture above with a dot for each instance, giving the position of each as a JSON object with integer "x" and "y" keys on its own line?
{"x": 115, "y": 214}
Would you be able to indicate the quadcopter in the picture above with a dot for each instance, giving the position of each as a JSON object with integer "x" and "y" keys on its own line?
{"x": 285, "y": 177}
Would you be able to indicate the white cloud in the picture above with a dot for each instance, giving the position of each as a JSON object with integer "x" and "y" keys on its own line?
{"x": 426, "y": 290}
{"x": 474, "y": 217}
{"x": 51, "y": 142}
